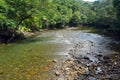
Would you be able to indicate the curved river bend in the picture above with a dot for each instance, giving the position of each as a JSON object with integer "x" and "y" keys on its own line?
{"x": 32, "y": 58}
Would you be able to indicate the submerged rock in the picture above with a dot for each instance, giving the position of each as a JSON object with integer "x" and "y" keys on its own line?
{"x": 55, "y": 61}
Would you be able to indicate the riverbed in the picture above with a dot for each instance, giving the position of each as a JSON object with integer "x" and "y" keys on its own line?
{"x": 43, "y": 56}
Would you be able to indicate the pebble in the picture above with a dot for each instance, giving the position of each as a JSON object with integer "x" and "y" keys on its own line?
{"x": 55, "y": 61}
{"x": 82, "y": 68}
{"x": 106, "y": 57}
{"x": 57, "y": 73}
{"x": 85, "y": 57}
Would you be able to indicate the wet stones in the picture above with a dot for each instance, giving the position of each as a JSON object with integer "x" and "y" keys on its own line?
{"x": 55, "y": 61}
{"x": 81, "y": 67}
{"x": 85, "y": 57}
{"x": 106, "y": 58}
{"x": 99, "y": 55}
{"x": 105, "y": 69}
{"x": 108, "y": 68}
{"x": 57, "y": 73}
{"x": 70, "y": 69}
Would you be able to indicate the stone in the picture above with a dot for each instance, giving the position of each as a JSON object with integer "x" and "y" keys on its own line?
{"x": 85, "y": 57}
{"x": 106, "y": 57}
{"x": 78, "y": 65}
{"x": 57, "y": 73}
{"x": 61, "y": 79}
{"x": 67, "y": 69}
{"x": 99, "y": 55}
{"x": 55, "y": 61}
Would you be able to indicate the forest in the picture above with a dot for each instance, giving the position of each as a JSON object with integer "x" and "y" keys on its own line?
{"x": 31, "y": 15}
{"x": 59, "y": 40}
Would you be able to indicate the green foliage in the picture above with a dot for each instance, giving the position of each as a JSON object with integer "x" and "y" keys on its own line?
{"x": 3, "y": 9}
{"x": 50, "y": 14}
{"x": 105, "y": 14}
{"x": 43, "y": 13}
{"x": 116, "y": 4}
{"x": 76, "y": 18}
{"x": 23, "y": 28}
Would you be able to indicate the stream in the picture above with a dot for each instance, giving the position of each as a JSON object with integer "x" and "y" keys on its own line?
{"x": 59, "y": 55}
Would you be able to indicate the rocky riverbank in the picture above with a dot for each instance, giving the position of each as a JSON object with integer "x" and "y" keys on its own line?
{"x": 89, "y": 61}
{"x": 82, "y": 68}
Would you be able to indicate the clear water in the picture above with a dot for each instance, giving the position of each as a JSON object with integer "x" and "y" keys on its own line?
{"x": 31, "y": 59}
{"x": 27, "y": 60}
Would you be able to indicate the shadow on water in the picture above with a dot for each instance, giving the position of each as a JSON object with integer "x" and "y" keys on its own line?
{"x": 33, "y": 40}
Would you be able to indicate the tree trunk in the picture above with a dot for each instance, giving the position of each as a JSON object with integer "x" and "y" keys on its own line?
{"x": 21, "y": 20}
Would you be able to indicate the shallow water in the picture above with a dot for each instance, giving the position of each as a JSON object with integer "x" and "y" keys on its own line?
{"x": 31, "y": 59}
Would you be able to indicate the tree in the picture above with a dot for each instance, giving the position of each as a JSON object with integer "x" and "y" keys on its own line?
{"x": 105, "y": 14}
{"x": 3, "y": 11}
{"x": 19, "y": 10}
{"x": 116, "y": 4}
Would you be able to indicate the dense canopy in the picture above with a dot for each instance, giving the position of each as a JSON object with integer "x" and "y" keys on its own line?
{"x": 30, "y": 15}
